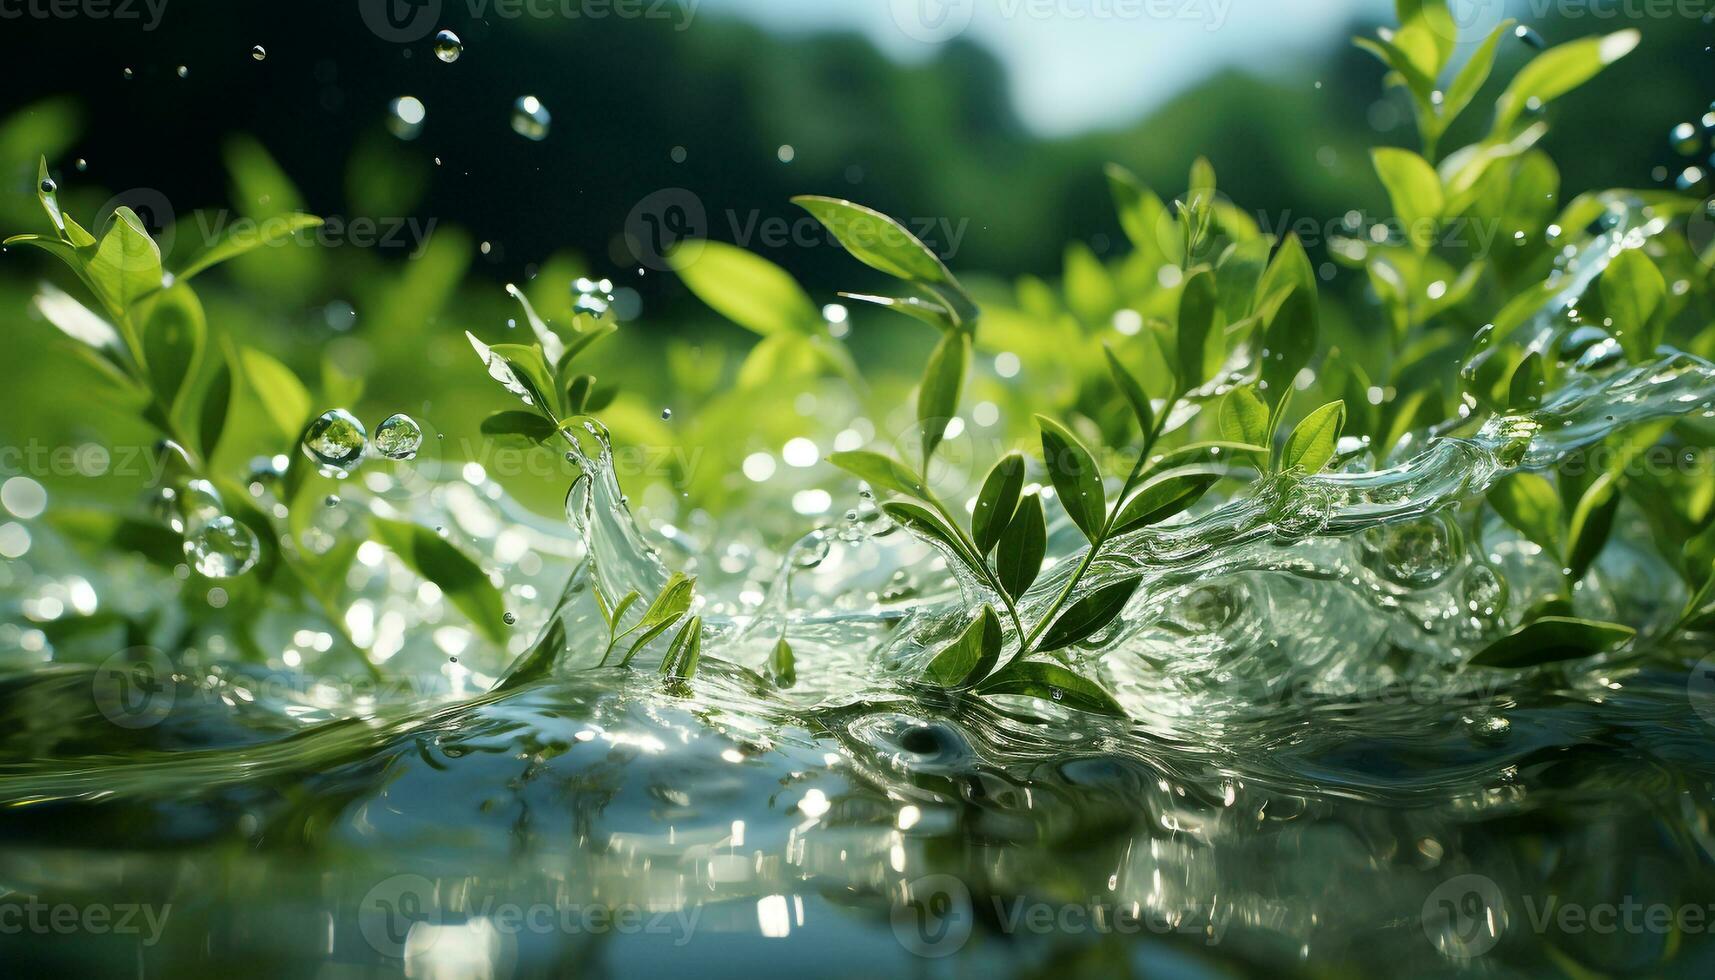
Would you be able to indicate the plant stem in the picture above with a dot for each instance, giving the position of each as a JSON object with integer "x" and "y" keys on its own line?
{"x": 974, "y": 558}
{"x": 1137, "y": 470}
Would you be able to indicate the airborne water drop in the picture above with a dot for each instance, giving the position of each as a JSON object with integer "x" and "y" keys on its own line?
{"x": 448, "y": 47}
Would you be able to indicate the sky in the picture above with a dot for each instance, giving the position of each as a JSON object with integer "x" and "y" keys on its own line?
{"x": 1081, "y": 64}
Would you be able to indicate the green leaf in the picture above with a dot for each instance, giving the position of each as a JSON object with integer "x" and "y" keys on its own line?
{"x": 782, "y": 666}
{"x": 460, "y": 579}
{"x": 1552, "y": 639}
{"x": 127, "y": 264}
{"x": 510, "y": 425}
{"x": 880, "y": 472}
{"x": 1289, "y": 270}
{"x": 671, "y": 603}
{"x": 75, "y": 320}
{"x": 997, "y": 502}
{"x": 877, "y": 240}
{"x": 970, "y": 657}
{"x": 938, "y": 398}
{"x": 69, "y": 230}
{"x": 747, "y": 289}
{"x": 1243, "y": 417}
{"x": 1557, "y": 71}
{"x": 283, "y": 397}
{"x": 1528, "y": 383}
{"x": 1632, "y": 293}
{"x": 1052, "y": 682}
{"x": 685, "y": 651}
{"x": 1471, "y": 77}
{"x": 1076, "y": 477}
{"x": 1312, "y": 443}
{"x": 529, "y": 371}
{"x": 173, "y": 341}
{"x": 1414, "y": 190}
{"x": 1018, "y": 558}
{"x": 1087, "y": 616}
{"x": 1288, "y": 340}
{"x": 1198, "y": 304}
{"x": 934, "y": 314}
{"x": 212, "y": 414}
{"x": 577, "y": 394}
{"x": 1592, "y": 521}
{"x": 1528, "y": 502}
{"x": 242, "y": 237}
{"x": 1134, "y": 394}
{"x": 921, "y": 522}
{"x": 1141, "y": 213}
{"x": 1162, "y": 498}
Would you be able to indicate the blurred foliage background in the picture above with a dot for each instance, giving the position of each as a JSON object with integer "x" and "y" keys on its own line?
{"x": 639, "y": 107}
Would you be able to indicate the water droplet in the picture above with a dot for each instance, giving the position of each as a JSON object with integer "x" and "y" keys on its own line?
{"x": 448, "y": 47}
{"x": 184, "y": 72}
{"x": 129, "y": 74}
{"x": 1530, "y": 37}
{"x": 509, "y": 619}
{"x": 530, "y": 118}
{"x": 1416, "y": 555}
{"x": 666, "y": 414}
{"x": 223, "y": 548}
{"x": 164, "y": 504}
{"x": 259, "y": 53}
{"x": 48, "y": 185}
{"x": 200, "y": 504}
{"x": 335, "y": 440}
{"x": 1685, "y": 139}
{"x": 81, "y": 164}
{"x": 405, "y": 117}
{"x": 399, "y": 437}
{"x": 331, "y": 500}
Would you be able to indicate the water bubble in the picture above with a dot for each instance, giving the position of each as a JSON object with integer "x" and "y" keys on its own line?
{"x": 530, "y": 118}
{"x": 1530, "y": 37}
{"x": 509, "y": 619}
{"x": 1685, "y": 139}
{"x": 1415, "y": 554}
{"x": 48, "y": 185}
{"x": 1301, "y": 511}
{"x": 259, "y": 53}
{"x": 331, "y": 500}
{"x": 811, "y": 550}
{"x": 448, "y": 47}
{"x": 399, "y": 437}
{"x": 335, "y": 441}
{"x": 405, "y": 117}
{"x": 666, "y": 414}
{"x": 223, "y": 548}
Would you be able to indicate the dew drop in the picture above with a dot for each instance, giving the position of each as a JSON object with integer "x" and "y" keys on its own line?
{"x": 48, "y": 185}
{"x": 331, "y": 500}
{"x": 184, "y": 71}
{"x": 259, "y": 53}
{"x": 223, "y": 548}
{"x": 335, "y": 441}
{"x": 399, "y": 437}
{"x": 448, "y": 47}
{"x": 509, "y": 619}
{"x": 530, "y": 118}
{"x": 129, "y": 74}
{"x": 1530, "y": 37}
{"x": 666, "y": 414}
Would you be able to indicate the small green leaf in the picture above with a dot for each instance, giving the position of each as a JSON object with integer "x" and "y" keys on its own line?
{"x": 934, "y": 314}
{"x": 1018, "y": 558}
{"x": 685, "y": 651}
{"x": 938, "y": 398}
{"x": 1632, "y": 293}
{"x": 1557, "y": 71}
{"x": 1471, "y": 78}
{"x": 1414, "y": 190}
{"x": 1087, "y": 616}
{"x": 782, "y": 666}
{"x": 1134, "y": 394}
{"x": 747, "y": 289}
{"x": 1198, "y": 304}
{"x": 1528, "y": 383}
{"x": 1162, "y": 498}
{"x": 997, "y": 502}
{"x": 460, "y": 579}
{"x": 877, "y": 240}
{"x": 283, "y": 396}
{"x": 671, "y": 603}
{"x": 1552, "y": 639}
{"x": 880, "y": 472}
{"x": 127, "y": 264}
{"x": 511, "y": 425}
{"x": 970, "y": 657}
{"x": 212, "y": 413}
{"x": 1288, "y": 341}
{"x": 919, "y": 521}
{"x": 529, "y": 369}
{"x": 1528, "y": 502}
{"x": 1076, "y": 477}
{"x": 1052, "y": 682}
{"x": 1243, "y": 417}
{"x": 244, "y": 237}
{"x": 577, "y": 394}
{"x": 1312, "y": 443}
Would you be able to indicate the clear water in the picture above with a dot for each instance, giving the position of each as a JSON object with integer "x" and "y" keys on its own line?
{"x": 1309, "y": 780}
